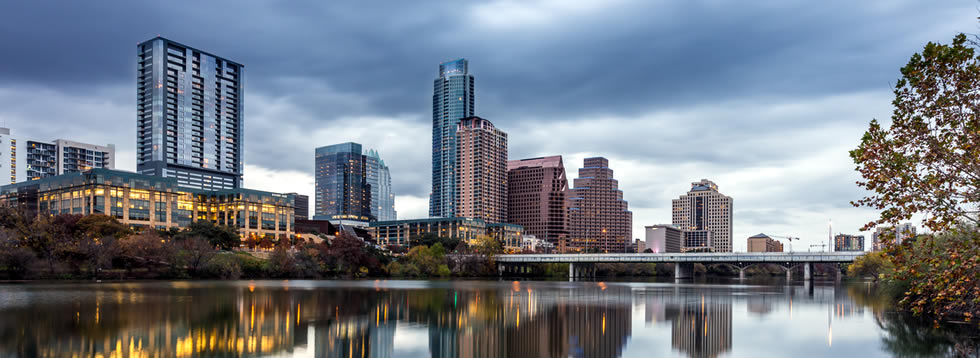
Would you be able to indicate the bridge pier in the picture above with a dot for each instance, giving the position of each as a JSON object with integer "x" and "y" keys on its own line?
{"x": 789, "y": 274}
{"x": 741, "y": 273}
{"x": 683, "y": 270}
{"x": 807, "y": 271}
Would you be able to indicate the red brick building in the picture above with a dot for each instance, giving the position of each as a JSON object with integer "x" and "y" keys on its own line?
{"x": 536, "y": 189}
{"x": 599, "y": 218}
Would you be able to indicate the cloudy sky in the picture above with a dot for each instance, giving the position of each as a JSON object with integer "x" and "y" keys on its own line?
{"x": 765, "y": 98}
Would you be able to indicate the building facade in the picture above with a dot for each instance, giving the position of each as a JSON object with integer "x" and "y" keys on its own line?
{"x": 189, "y": 121}
{"x": 698, "y": 241}
{"x": 536, "y": 197}
{"x": 704, "y": 208}
{"x": 404, "y": 232}
{"x": 302, "y": 203}
{"x": 144, "y": 201}
{"x": 452, "y": 99}
{"x": 352, "y": 186}
{"x": 481, "y": 171}
{"x": 885, "y": 233}
{"x": 599, "y": 218}
{"x": 763, "y": 243}
{"x": 664, "y": 238}
{"x": 845, "y": 242}
{"x": 28, "y": 159}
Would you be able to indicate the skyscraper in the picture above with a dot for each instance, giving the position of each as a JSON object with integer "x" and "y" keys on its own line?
{"x": 705, "y": 209}
{"x": 481, "y": 171}
{"x": 452, "y": 100}
{"x": 351, "y": 185}
{"x": 536, "y": 189}
{"x": 189, "y": 115}
{"x": 599, "y": 218}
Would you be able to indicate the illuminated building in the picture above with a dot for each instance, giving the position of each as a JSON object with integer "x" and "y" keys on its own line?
{"x": 25, "y": 159}
{"x": 704, "y": 208}
{"x": 664, "y": 238}
{"x": 452, "y": 99}
{"x": 189, "y": 117}
{"x": 404, "y": 232}
{"x": 143, "y": 201}
{"x": 481, "y": 171}
{"x": 599, "y": 218}
{"x": 352, "y": 186}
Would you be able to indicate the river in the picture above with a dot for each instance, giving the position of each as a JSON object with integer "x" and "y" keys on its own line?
{"x": 390, "y": 318}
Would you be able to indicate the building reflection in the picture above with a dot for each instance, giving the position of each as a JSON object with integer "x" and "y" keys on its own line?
{"x": 700, "y": 321}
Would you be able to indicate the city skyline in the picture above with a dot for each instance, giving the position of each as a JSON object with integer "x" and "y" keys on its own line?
{"x": 811, "y": 125}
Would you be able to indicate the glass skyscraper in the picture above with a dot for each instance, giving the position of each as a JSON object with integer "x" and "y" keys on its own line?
{"x": 189, "y": 115}
{"x": 452, "y": 100}
{"x": 351, "y": 185}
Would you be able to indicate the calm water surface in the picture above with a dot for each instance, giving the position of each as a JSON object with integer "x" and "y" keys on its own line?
{"x": 456, "y": 319}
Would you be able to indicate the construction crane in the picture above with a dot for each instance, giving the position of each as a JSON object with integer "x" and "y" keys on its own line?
{"x": 788, "y": 239}
{"x": 823, "y": 247}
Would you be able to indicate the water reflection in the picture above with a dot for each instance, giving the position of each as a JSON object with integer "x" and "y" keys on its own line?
{"x": 450, "y": 319}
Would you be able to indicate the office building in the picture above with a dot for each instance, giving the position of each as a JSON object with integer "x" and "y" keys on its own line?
{"x": 698, "y": 241}
{"x": 302, "y": 203}
{"x": 481, "y": 171}
{"x": 704, "y": 208}
{"x": 190, "y": 112}
{"x": 763, "y": 243}
{"x": 536, "y": 189}
{"x": 664, "y": 238}
{"x": 599, "y": 218}
{"x": 452, "y": 100}
{"x": 145, "y": 201}
{"x": 404, "y": 232}
{"x": 379, "y": 178}
{"x": 878, "y": 238}
{"x": 27, "y": 159}
{"x": 341, "y": 183}
{"x": 844, "y": 242}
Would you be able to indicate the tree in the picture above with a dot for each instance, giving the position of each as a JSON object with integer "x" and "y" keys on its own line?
{"x": 487, "y": 246}
{"x": 196, "y": 253}
{"x": 223, "y": 237}
{"x": 927, "y": 160}
{"x": 99, "y": 226}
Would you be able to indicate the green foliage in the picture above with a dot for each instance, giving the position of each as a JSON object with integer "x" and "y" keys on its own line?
{"x": 873, "y": 264}
{"x": 224, "y": 266}
{"x": 926, "y": 162}
{"x": 223, "y": 237}
{"x": 429, "y": 239}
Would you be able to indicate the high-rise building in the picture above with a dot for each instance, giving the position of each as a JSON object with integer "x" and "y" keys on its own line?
{"x": 599, "y": 218}
{"x": 905, "y": 231}
{"x": 452, "y": 100}
{"x": 481, "y": 171}
{"x": 664, "y": 238}
{"x": 704, "y": 208}
{"x": 763, "y": 243}
{"x": 351, "y": 185}
{"x": 536, "y": 189}
{"x": 26, "y": 159}
{"x": 189, "y": 115}
{"x": 379, "y": 177}
{"x": 845, "y": 242}
{"x": 302, "y": 203}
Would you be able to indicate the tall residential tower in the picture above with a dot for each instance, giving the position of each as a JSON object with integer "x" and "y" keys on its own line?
{"x": 189, "y": 115}
{"x": 481, "y": 171}
{"x": 704, "y": 211}
{"x": 452, "y": 100}
{"x": 27, "y": 159}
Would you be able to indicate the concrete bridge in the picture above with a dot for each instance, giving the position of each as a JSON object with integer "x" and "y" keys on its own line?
{"x": 583, "y": 265}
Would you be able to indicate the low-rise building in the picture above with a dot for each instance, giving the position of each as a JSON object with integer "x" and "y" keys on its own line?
{"x": 763, "y": 243}
{"x": 509, "y": 235}
{"x": 844, "y": 242}
{"x": 144, "y": 201}
{"x": 405, "y": 232}
{"x": 664, "y": 238}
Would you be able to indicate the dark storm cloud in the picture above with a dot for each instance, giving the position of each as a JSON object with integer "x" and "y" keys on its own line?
{"x": 314, "y": 65}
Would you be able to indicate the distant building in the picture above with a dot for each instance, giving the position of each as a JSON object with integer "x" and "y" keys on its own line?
{"x": 698, "y": 241}
{"x": 763, "y": 243}
{"x": 189, "y": 115}
{"x": 481, "y": 171}
{"x": 302, "y": 206}
{"x": 351, "y": 186}
{"x": 905, "y": 231}
{"x": 640, "y": 245}
{"x": 531, "y": 243}
{"x": 844, "y": 242}
{"x": 405, "y": 232}
{"x": 536, "y": 190}
{"x": 704, "y": 208}
{"x": 145, "y": 201}
{"x": 26, "y": 159}
{"x": 599, "y": 218}
{"x": 664, "y": 238}
{"x": 509, "y": 235}
{"x": 452, "y": 99}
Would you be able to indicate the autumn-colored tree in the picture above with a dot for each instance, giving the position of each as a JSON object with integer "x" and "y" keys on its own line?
{"x": 928, "y": 160}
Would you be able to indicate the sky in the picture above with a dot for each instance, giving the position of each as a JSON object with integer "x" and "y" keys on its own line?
{"x": 764, "y": 98}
